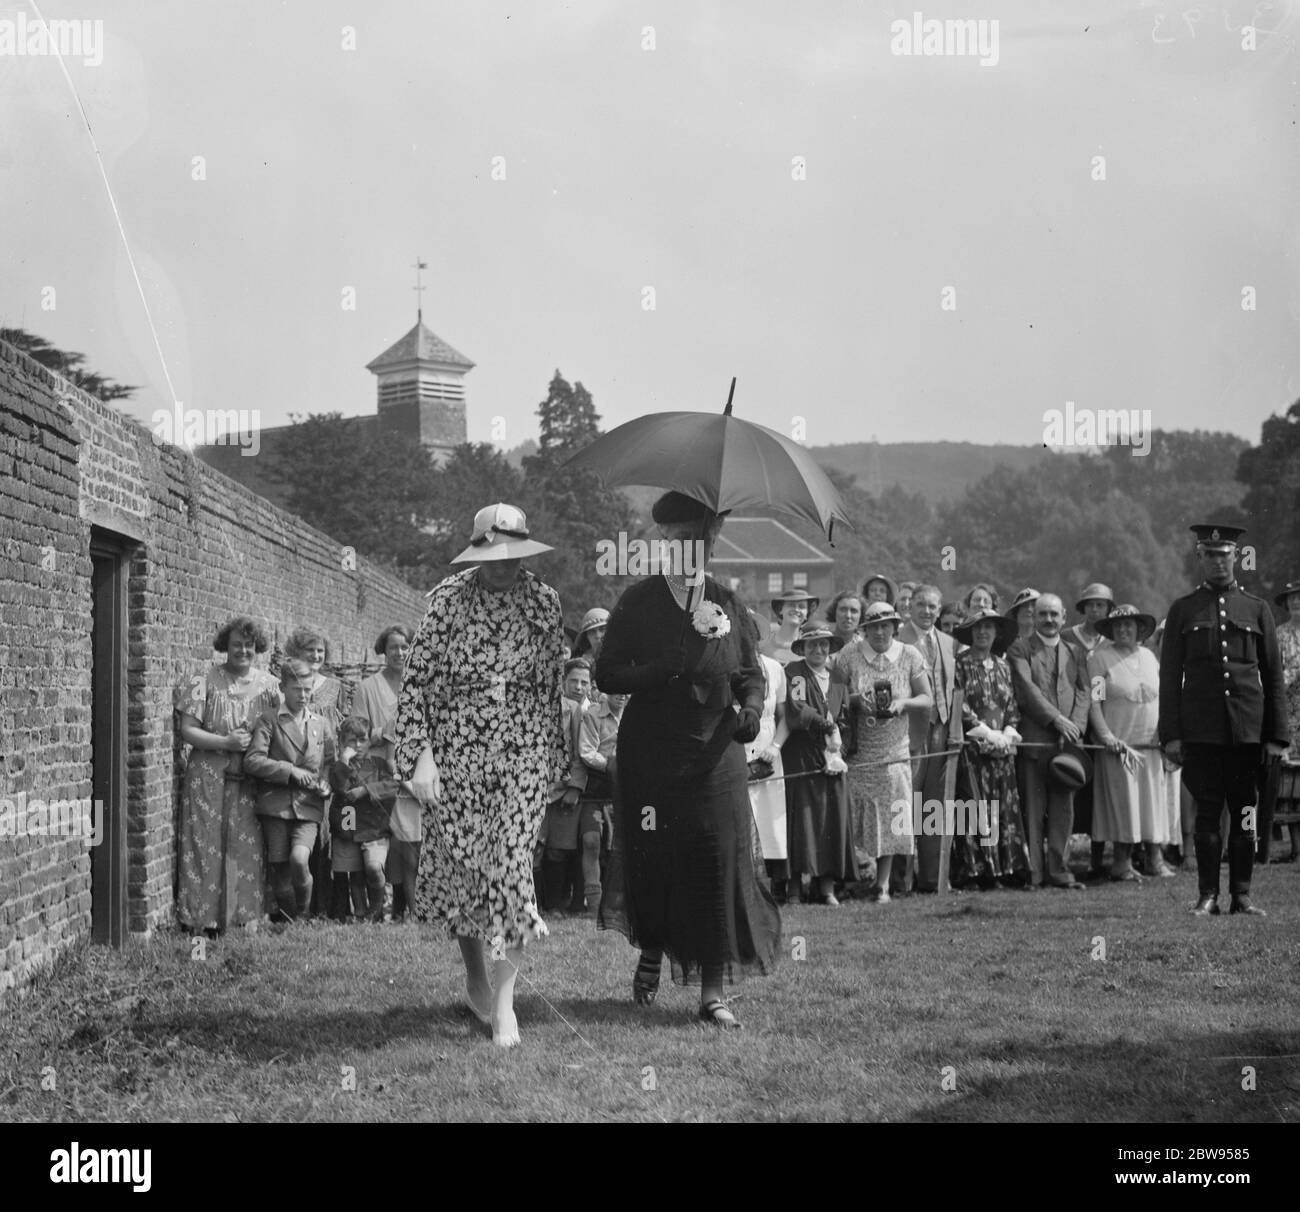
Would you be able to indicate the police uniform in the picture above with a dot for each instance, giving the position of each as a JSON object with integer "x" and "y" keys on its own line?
{"x": 1221, "y": 695}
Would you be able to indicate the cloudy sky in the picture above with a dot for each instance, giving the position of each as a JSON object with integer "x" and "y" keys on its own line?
{"x": 652, "y": 144}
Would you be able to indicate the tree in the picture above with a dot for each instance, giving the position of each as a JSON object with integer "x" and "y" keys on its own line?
{"x": 1271, "y": 506}
{"x": 569, "y": 509}
{"x": 371, "y": 490}
{"x": 68, "y": 364}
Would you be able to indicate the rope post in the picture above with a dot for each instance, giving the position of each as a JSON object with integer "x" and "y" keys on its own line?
{"x": 955, "y": 736}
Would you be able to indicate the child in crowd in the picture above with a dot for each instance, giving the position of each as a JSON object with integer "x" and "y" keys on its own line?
{"x": 558, "y": 841}
{"x": 291, "y": 750}
{"x": 365, "y": 790}
{"x": 597, "y": 741}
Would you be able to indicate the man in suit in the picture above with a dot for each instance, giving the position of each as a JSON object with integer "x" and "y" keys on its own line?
{"x": 928, "y": 733}
{"x": 291, "y": 752}
{"x": 1051, "y": 685}
{"x": 1222, "y": 711}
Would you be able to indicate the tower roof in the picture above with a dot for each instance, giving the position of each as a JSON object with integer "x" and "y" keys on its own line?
{"x": 419, "y": 345}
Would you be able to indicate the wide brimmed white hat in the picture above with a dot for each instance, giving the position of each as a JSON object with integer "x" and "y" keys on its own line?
{"x": 500, "y": 533}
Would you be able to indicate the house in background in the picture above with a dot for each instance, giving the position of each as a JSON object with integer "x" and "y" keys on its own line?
{"x": 760, "y": 558}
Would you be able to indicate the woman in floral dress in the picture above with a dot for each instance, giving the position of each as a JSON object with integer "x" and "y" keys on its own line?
{"x": 880, "y": 774}
{"x": 221, "y": 875}
{"x": 996, "y": 850}
{"x": 1288, "y": 646}
{"x": 479, "y": 738}
{"x": 686, "y": 876}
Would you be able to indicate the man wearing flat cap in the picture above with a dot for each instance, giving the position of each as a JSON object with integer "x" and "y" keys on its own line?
{"x": 1222, "y": 711}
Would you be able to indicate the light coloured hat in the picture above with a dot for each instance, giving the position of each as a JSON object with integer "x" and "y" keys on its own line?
{"x": 597, "y": 616}
{"x": 880, "y": 612}
{"x": 1096, "y": 592}
{"x": 1023, "y": 598}
{"x": 500, "y": 533}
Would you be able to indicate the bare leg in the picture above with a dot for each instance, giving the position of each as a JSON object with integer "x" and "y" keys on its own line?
{"x": 505, "y": 1027}
{"x": 478, "y": 989}
{"x": 884, "y": 865}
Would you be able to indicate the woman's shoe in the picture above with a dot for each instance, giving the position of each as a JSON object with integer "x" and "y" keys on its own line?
{"x": 645, "y": 983}
{"x": 716, "y": 1012}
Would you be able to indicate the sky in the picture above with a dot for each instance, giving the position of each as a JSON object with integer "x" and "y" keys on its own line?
{"x": 904, "y": 247}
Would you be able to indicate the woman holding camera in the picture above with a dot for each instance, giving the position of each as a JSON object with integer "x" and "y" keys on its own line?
{"x": 886, "y": 678}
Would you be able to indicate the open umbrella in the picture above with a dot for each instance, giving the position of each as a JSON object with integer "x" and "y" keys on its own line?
{"x": 719, "y": 459}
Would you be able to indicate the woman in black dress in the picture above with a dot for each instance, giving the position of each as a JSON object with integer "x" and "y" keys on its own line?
{"x": 686, "y": 876}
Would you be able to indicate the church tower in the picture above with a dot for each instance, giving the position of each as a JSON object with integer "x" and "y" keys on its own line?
{"x": 422, "y": 390}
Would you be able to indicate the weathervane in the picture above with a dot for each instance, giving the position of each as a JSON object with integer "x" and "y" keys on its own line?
{"x": 419, "y": 289}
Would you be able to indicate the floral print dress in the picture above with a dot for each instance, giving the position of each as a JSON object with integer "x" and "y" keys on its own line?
{"x": 880, "y": 774}
{"x": 221, "y": 876}
{"x": 1288, "y": 644}
{"x": 482, "y": 688}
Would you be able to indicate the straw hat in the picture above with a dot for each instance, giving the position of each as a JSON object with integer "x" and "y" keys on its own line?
{"x": 1146, "y": 622}
{"x": 500, "y": 533}
{"x": 814, "y": 630}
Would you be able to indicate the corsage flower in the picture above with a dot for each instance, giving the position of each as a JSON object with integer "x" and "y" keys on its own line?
{"x": 710, "y": 620}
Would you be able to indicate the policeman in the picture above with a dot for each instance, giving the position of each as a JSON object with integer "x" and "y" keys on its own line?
{"x": 1222, "y": 711}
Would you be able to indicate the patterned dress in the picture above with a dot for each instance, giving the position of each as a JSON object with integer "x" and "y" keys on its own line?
{"x": 981, "y": 857}
{"x": 880, "y": 773}
{"x": 221, "y": 875}
{"x": 1288, "y": 645}
{"x": 482, "y": 688}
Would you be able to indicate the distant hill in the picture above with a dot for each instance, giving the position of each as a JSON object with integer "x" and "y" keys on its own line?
{"x": 940, "y": 470}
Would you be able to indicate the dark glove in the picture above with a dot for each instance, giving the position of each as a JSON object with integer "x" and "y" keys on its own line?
{"x": 857, "y": 703}
{"x": 822, "y": 727}
{"x": 747, "y": 725}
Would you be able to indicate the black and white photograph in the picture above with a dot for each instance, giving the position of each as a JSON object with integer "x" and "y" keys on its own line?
{"x": 647, "y": 561}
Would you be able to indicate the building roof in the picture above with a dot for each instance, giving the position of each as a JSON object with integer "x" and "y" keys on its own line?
{"x": 419, "y": 345}
{"x": 764, "y": 541}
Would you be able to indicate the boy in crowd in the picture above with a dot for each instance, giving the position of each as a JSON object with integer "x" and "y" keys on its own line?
{"x": 597, "y": 742}
{"x": 365, "y": 790}
{"x": 290, "y": 752}
{"x": 559, "y": 836}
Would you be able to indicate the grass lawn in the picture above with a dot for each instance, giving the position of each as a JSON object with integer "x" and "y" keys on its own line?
{"x": 1000, "y": 990}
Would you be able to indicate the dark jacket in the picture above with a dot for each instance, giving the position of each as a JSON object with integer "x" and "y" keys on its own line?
{"x": 1220, "y": 671}
{"x": 1041, "y": 698}
{"x": 277, "y": 748}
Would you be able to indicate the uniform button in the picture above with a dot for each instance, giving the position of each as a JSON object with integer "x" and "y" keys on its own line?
{"x": 1227, "y": 694}
{"x": 1226, "y": 674}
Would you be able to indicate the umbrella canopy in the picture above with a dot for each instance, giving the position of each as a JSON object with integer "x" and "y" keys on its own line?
{"x": 717, "y": 458}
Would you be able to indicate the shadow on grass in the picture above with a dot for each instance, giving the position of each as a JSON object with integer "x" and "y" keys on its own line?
{"x": 1182, "y": 1079}
{"x": 263, "y": 1037}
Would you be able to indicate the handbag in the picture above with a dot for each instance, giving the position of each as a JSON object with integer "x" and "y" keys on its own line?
{"x": 760, "y": 769}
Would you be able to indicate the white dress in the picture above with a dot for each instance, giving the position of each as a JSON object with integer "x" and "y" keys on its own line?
{"x": 767, "y": 797}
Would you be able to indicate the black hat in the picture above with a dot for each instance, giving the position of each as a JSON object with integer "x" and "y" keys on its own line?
{"x": 793, "y": 595}
{"x": 1146, "y": 623}
{"x": 1216, "y": 537}
{"x": 1006, "y": 634}
{"x": 676, "y": 506}
{"x": 1287, "y": 590}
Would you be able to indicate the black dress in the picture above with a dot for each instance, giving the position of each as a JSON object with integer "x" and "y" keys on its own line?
{"x": 686, "y": 874}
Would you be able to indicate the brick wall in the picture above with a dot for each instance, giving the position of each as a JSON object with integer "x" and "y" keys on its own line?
{"x": 204, "y": 548}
